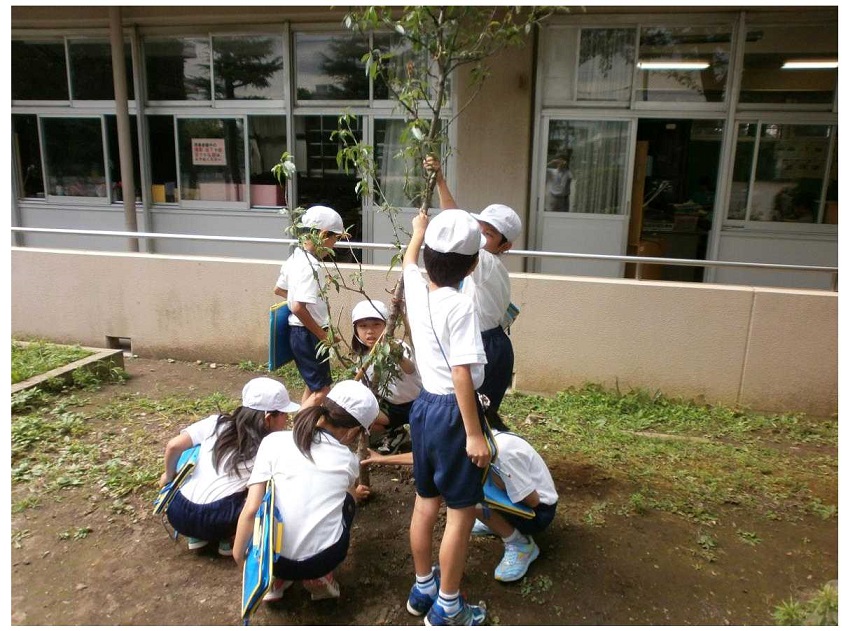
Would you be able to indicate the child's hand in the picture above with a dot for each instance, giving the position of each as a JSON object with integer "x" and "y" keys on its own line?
{"x": 431, "y": 163}
{"x": 419, "y": 223}
{"x": 361, "y": 492}
{"x": 373, "y": 458}
{"x": 163, "y": 481}
{"x": 477, "y": 450}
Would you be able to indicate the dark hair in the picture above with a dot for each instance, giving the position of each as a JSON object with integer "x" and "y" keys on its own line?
{"x": 447, "y": 269}
{"x": 495, "y": 421}
{"x": 305, "y": 432}
{"x": 239, "y": 436}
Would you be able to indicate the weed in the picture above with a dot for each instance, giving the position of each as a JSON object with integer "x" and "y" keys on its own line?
{"x": 28, "y": 502}
{"x": 750, "y": 538}
{"x": 820, "y": 610}
{"x": 534, "y": 587}
{"x": 39, "y": 357}
{"x": 638, "y": 503}
{"x": 18, "y": 536}
{"x": 250, "y": 366}
{"x": 706, "y": 541}
{"x": 596, "y": 514}
{"x": 825, "y": 511}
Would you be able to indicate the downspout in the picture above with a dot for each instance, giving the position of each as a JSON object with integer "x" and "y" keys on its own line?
{"x": 121, "y": 101}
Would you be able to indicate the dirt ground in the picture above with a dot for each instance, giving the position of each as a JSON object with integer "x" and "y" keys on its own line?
{"x": 616, "y": 570}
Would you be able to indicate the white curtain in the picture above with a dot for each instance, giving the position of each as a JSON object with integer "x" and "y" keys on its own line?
{"x": 606, "y": 62}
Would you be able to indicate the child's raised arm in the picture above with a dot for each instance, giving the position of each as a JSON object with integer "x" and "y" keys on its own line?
{"x": 419, "y": 227}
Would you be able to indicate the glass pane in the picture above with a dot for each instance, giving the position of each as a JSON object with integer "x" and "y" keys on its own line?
{"x": 606, "y": 62}
{"x": 39, "y": 71}
{"x": 116, "y": 172}
{"x": 328, "y": 67}
{"x": 402, "y": 185}
{"x": 405, "y": 63}
{"x": 164, "y": 166}
{"x": 177, "y": 69}
{"x": 768, "y": 48}
{"x": 319, "y": 179}
{"x": 212, "y": 159}
{"x": 91, "y": 72}
{"x": 790, "y": 171}
{"x": 248, "y": 67}
{"x": 683, "y": 63}
{"x": 28, "y": 154}
{"x": 267, "y": 141}
{"x": 73, "y": 153}
{"x": 586, "y": 165}
{"x": 831, "y": 205}
{"x": 743, "y": 159}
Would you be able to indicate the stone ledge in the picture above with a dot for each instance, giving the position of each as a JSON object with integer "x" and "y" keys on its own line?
{"x": 100, "y": 362}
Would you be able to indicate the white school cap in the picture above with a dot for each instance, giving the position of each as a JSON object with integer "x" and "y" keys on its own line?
{"x": 454, "y": 231}
{"x": 503, "y": 218}
{"x": 369, "y": 309}
{"x": 323, "y": 218}
{"x": 267, "y": 395}
{"x": 356, "y": 400}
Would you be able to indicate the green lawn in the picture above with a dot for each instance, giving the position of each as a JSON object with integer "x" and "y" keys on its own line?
{"x": 36, "y": 358}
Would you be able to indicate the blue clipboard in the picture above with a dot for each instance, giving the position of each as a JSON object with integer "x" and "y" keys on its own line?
{"x": 497, "y": 499}
{"x": 280, "y": 350}
{"x": 264, "y": 548}
{"x": 186, "y": 464}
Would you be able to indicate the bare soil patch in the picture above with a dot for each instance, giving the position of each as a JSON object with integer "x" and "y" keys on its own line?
{"x": 595, "y": 567}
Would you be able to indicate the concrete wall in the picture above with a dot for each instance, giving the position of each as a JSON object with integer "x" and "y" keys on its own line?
{"x": 764, "y": 348}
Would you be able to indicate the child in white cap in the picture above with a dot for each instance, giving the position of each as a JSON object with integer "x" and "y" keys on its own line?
{"x": 490, "y": 289}
{"x": 369, "y": 321}
{"x": 315, "y": 475}
{"x": 302, "y": 278}
{"x": 207, "y": 506}
{"x": 448, "y": 446}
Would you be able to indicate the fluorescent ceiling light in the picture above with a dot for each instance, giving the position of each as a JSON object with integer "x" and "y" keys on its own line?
{"x": 673, "y": 65}
{"x": 810, "y": 64}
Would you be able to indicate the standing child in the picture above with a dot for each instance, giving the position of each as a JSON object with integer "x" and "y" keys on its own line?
{"x": 489, "y": 288}
{"x": 303, "y": 276}
{"x": 207, "y": 506}
{"x": 369, "y": 321}
{"x": 448, "y": 446}
{"x": 315, "y": 476}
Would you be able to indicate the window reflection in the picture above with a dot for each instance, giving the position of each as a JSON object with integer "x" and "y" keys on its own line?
{"x": 28, "y": 155}
{"x": 115, "y": 167}
{"x": 328, "y": 66}
{"x": 91, "y": 70}
{"x": 177, "y": 69}
{"x": 401, "y": 182}
{"x": 606, "y": 64}
{"x": 248, "y": 67}
{"x": 211, "y": 159}
{"x": 74, "y": 158}
{"x": 267, "y": 141}
{"x": 39, "y": 71}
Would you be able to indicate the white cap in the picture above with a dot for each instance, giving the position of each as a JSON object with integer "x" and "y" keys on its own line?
{"x": 267, "y": 395}
{"x": 503, "y": 218}
{"x": 323, "y": 218}
{"x": 454, "y": 231}
{"x": 356, "y": 400}
{"x": 369, "y": 309}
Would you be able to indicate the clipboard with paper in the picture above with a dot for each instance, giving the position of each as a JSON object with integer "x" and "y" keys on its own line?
{"x": 263, "y": 549}
{"x": 184, "y": 467}
{"x": 498, "y": 499}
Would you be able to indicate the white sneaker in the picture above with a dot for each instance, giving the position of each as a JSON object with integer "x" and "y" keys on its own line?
{"x": 279, "y": 586}
{"x": 322, "y": 588}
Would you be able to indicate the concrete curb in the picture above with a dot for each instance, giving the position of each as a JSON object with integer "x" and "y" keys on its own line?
{"x": 102, "y": 360}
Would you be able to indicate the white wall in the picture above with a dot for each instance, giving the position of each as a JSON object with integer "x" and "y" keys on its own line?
{"x": 767, "y": 348}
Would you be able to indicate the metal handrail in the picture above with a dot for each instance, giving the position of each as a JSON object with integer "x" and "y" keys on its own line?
{"x": 637, "y": 260}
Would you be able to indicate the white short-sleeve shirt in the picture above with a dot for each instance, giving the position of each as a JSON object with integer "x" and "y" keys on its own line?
{"x": 451, "y": 337}
{"x": 205, "y": 484}
{"x": 407, "y": 386}
{"x": 309, "y": 494}
{"x": 305, "y": 278}
{"x": 490, "y": 289}
{"x": 526, "y": 470}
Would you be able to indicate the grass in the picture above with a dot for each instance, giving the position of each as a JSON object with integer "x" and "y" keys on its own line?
{"x": 822, "y": 609}
{"x": 39, "y": 357}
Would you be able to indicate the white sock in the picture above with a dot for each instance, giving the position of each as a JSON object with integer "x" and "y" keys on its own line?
{"x": 515, "y": 537}
{"x": 449, "y": 602}
{"x": 426, "y": 584}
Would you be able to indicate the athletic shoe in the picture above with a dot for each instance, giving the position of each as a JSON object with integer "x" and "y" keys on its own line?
{"x": 225, "y": 549}
{"x": 481, "y": 530}
{"x": 467, "y": 616}
{"x": 195, "y": 544}
{"x": 322, "y": 588}
{"x": 516, "y": 560}
{"x": 279, "y": 586}
{"x": 418, "y": 602}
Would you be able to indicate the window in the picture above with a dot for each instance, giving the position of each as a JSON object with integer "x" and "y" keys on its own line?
{"x": 688, "y": 63}
{"x": 211, "y": 159}
{"x": 586, "y": 166}
{"x": 790, "y": 64}
{"x": 267, "y": 141}
{"x": 402, "y": 183}
{"x": 73, "y": 152}
{"x": 606, "y": 64}
{"x": 780, "y": 173}
{"x": 39, "y": 71}
{"x": 164, "y": 167}
{"x": 248, "y": 67}
{"x": 328, "y": 67}
{"x": 177, "y": 69}
{"x": 114, "y": 165}
{"x": 91, "y": 70}
{"x": 27, "y": 155}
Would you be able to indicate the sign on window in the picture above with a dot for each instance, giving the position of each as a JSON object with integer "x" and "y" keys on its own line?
{"x": 209, "y": 152}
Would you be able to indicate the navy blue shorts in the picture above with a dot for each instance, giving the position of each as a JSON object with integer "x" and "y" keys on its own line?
{"x": 544, "y": 514}
{"x": 322, "y": 562}
{"x": 216, "y": 521}
{"x": 501, "y": 362}
{"x": 315, "y": 371}
{"x": 398, "y": 413}
{"x": 440, "y": 464}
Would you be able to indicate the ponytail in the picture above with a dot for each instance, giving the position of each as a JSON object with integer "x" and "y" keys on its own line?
{"x": 238, "y": 437}
{"x": 306, "y": 431}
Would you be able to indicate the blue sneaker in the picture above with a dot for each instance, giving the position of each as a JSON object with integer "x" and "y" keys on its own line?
{"x": 516, "y": 560}
{"x": 195, "y": 544}
{"x": 467, "y": 616}
{"x": 480, "y": 529}
{"x": 418, "y": 602}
